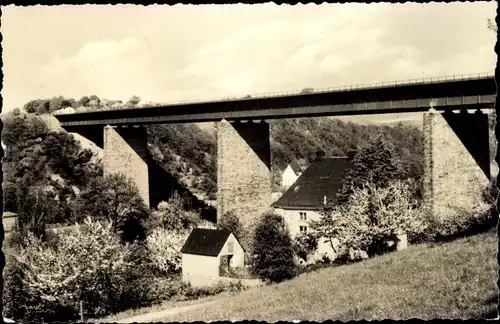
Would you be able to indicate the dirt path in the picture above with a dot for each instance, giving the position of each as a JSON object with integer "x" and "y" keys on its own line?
{"x": 154, "y": 316}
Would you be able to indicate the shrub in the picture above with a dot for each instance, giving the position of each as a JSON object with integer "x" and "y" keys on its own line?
{"x": 165, "y": 249}
{"x": 206, "y": 224}
{"x": 89, "y": 264}
{"x": 190, "y": 293}
{"x": 173, "y": 216}
{"x": 9, "y": 196}
{"x": 272, "y": 250}
{"x": 305, "y": 244}
{"x": 139, "y": 288}
{"x": 461, "y": 223}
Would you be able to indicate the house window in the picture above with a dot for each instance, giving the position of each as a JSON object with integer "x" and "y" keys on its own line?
{"x": 303, "y": 229}
{"x": 230, "y": 247}
{"x": 303, "y": 216}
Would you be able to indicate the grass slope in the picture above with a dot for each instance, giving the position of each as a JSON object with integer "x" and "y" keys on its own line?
{"x": 452, "y": 280}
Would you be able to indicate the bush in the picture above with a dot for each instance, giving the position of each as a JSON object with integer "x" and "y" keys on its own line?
{"x": 165, "y": 249}
{"x": 304, "y": 244}
{"x": 272, "y": 250}
{"x": 190, "y": 293}
{"x": 173, "y": 216}
{"x": 9, "y": 196}
{"x": 89, "y": 264}
{"x": 206, "y": 224}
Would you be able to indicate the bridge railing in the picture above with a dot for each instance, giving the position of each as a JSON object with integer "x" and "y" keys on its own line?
{"x": 424, "y": 80}
{"x": 456, "y": 77}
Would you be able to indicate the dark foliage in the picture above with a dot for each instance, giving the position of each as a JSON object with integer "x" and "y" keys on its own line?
{"x": 373, "y": 164}
{"x": 114, "y": 198}
{"x": 273, "y": 250}
{"x": 230, "y": 222}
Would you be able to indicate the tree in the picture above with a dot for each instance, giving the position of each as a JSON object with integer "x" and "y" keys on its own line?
{"x": 304, "y": 244}
{"x": 31, "y": 106}
{"x": 67, "y": 158}
{"x": 56, "y": 103}
{"x": 492, "y": 25}
{"x": 134, "y": 101}
{"x": 88, "y": 264}
{"x": 84, "y": 101}
{"x": 173, "y": 216}
{"x": 230, "y": 222}
{"x": 374, "y": 164}
{"x": 115, "y": 198}
{"x": 43, "y": 108}
{"x": 9, "y": 196}
{"x": 164, "y": 248}
{"x": 372, "y": 216}
{"x": 273, "y": 255}
{"x": 35, "y": 210}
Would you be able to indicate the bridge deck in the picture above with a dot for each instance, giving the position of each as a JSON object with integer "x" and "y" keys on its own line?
{"x": 462, "y": 93}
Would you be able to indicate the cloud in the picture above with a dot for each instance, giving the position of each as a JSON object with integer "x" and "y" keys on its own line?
{"x": 164, "y": 53}
{"x": 109, "y": 68}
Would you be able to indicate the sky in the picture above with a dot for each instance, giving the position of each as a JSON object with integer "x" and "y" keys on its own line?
{"x": 186, "y": 52}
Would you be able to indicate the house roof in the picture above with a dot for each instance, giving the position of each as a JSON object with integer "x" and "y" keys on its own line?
{"x": 7, "y": 214}
{"x": 204, "y": 241}
{"x": 322, "y": 178}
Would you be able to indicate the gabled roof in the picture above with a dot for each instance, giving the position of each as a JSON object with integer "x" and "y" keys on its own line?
{"x": 322, "y": 178}
{"x": 203, "y": 241}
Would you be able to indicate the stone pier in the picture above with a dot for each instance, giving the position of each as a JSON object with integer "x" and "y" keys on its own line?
{"x": 243, "y": 169}
{"x": 456, "y": 161}
{"x": 125, "y": 151}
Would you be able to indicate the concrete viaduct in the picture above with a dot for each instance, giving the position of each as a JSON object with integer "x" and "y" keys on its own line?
{"x": 456, "y": 145}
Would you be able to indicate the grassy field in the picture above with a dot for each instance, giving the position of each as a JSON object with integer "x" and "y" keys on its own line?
{"x": 452, "y": 280}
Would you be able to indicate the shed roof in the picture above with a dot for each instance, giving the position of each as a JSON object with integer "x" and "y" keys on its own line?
{"x": 322, "y": 178}
{"x": 204, "y": 241}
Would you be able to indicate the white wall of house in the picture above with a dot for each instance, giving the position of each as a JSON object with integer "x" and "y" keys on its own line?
{"x": 200, "y": 270}
{"x": 238, "y": 259}
{"x": 288, "y": 177}
{"x": 295, "y": 223}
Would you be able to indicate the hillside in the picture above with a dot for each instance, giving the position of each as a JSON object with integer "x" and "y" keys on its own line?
{"x": 190, "y": 150}
{"x": 450, "y": 280}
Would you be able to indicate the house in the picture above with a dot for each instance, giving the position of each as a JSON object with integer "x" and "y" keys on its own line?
{"x": 9, "y": 222}
{"x": 290, "y": 174}
{"x": 205, "y": 252}
{"x": 317, "y": 186}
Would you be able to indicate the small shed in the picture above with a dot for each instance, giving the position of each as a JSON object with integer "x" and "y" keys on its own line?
{"x": 206, "y": 251}
{"x": 9, "y": 221}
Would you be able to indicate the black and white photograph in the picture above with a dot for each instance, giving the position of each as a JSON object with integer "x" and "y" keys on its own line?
{"x": 230, "y": 162}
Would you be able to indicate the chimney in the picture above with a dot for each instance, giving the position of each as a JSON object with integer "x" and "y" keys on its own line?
{"x": 350, "y": 155}
{"x": 320, "y": 155}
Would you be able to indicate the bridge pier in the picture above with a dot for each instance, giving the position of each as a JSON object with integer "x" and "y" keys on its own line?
{"x": 126, "y": 152}
{"x": 456, "y": 162}
{"x": 243, "y": 170}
